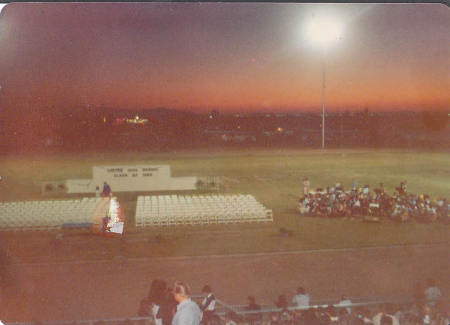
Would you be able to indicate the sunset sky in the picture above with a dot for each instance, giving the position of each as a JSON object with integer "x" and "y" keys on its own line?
{"x": 226, "y": 56}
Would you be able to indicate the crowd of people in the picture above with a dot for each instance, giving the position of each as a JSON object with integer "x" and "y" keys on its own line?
{"x": 372, "y": 205}
{"x": 174, "y": 306}
{"x": 389, "y": 314}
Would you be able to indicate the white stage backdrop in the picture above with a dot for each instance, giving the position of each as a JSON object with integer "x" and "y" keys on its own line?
{"x": 132, "y": 179}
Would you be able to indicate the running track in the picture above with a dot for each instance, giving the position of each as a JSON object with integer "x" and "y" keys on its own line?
{"x": 96, "y": 289}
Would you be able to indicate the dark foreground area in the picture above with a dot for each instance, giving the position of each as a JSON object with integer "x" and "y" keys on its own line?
{"x": 114, "y": 288}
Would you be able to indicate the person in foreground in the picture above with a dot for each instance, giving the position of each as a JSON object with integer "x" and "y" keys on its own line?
{"x": 188, "y": 312}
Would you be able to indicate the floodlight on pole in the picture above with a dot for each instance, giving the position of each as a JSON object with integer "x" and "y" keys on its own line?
{"x": 323, "y": 31}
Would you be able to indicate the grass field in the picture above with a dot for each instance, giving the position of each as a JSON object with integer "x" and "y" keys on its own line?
{"x": 273, "y": 177}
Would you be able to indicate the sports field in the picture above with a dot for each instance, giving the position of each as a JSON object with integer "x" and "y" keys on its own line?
{"x": 89, "y": 276}
{"x": 274, "y": 177}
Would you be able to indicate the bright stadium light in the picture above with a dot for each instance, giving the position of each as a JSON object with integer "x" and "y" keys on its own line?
{"x": 324, "y": 31}
{"x": 2, "y": 5}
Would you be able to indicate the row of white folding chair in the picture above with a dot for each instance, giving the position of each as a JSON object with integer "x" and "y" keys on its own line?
{"x": 197, "y": 197}
{"x": 50, "y": 218}
{"x": 198, "y": 200}
{"x": 200, "y": 207}
{"x": 202, "y": 219}
{"x": 203, "y": 198}
{"x": 28, "y": 224}
{"x": 189, "y": 214}
{"x": 46, "y": 213}
{"x": 213, "y": 212}
{"x": 38, "y": 203}
{"x": 206, "y": 215}
{"x": 196, "y": 206}
{"x": 169, "y": 209}
{"x": 201, "y": 204}
{"x": 54, "y": 218}
{"x": 172, "y": 221}
{"x": 46, "y": 205}
{"x": 222, "y": 199}
{"x": 35, "y": 223}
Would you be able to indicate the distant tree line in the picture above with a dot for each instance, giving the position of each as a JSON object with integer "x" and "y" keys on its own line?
{"x": 82, "y": 129}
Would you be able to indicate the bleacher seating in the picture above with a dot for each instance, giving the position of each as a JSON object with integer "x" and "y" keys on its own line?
{"x": 46, "y": 215}
{"x": 199, "y": 209}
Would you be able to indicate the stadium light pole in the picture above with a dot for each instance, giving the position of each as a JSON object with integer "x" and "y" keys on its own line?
{"x": 324, "y": 31}
{"x": 324, "y": 71}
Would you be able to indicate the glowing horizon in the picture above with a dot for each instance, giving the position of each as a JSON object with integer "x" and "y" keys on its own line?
{"x": 226, "y": 56}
